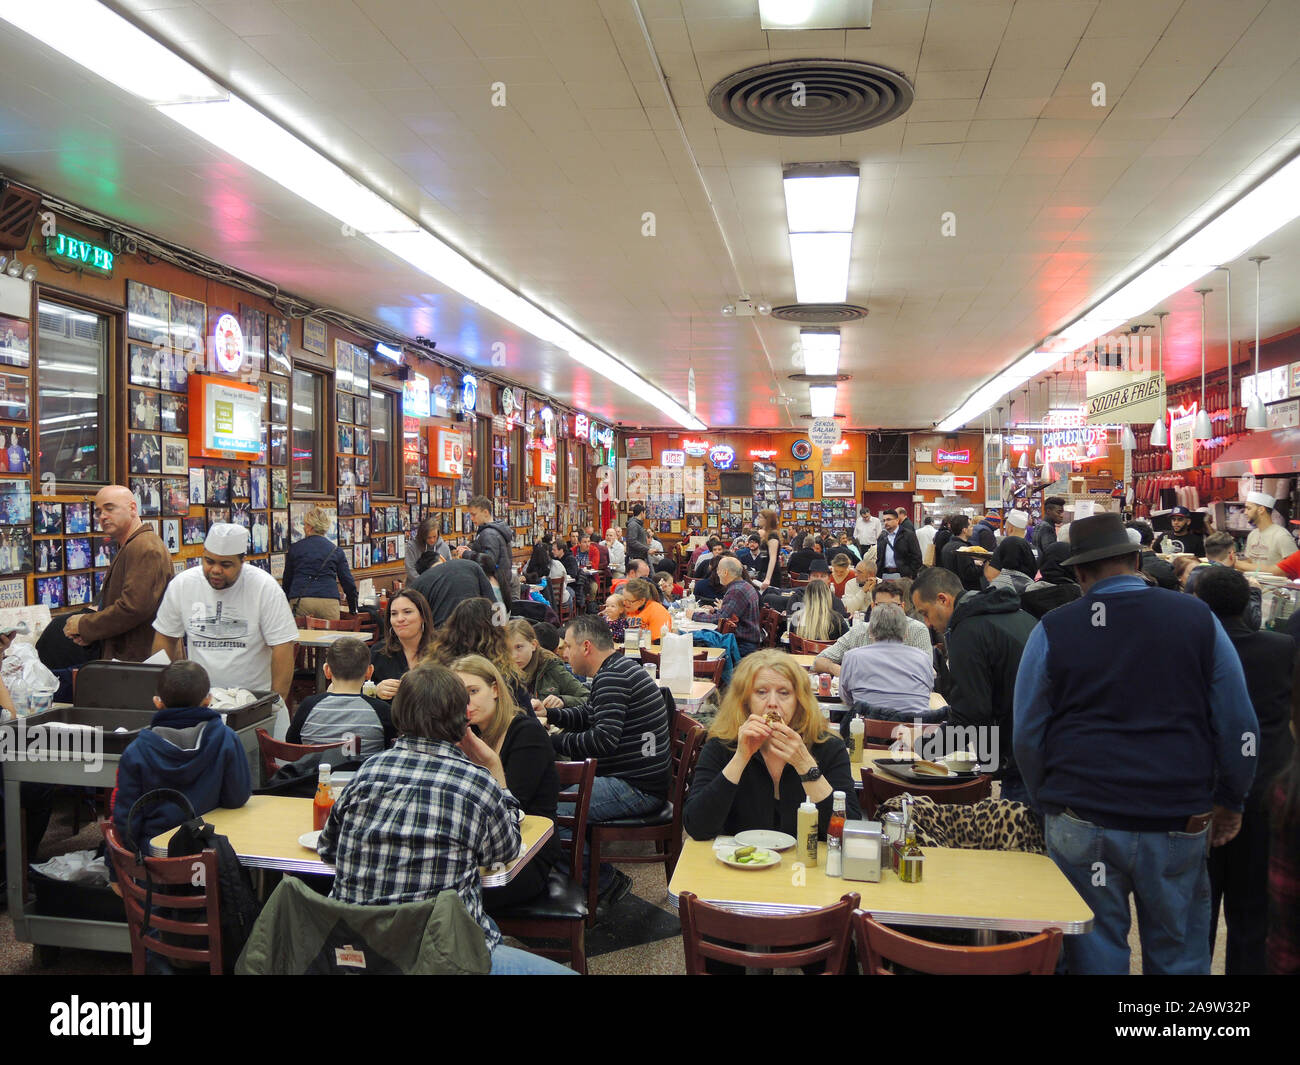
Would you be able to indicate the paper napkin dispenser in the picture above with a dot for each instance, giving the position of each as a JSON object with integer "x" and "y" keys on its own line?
{"x": 864, "y": 843}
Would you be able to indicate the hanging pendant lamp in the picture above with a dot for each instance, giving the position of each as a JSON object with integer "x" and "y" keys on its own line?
{"x": 1203, "y": 429}
{"x": 1129, "y": 440}
{"x": 1256, "y": 416}
{"x": 1159, "y": 434}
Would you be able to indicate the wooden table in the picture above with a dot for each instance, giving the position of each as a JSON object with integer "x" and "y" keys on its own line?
{"x": 314, "y": 640}
{"x": 265, "y": 830}
{"x": 1007, "y": 891}
{"x": 706, "y": 654}
{"x": 692, "y": 700}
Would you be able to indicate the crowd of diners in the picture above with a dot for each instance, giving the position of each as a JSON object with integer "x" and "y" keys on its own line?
{"x": 1120, "y": 693}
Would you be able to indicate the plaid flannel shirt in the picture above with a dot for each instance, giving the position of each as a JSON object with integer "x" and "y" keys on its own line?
{"x": 418, "y": 818}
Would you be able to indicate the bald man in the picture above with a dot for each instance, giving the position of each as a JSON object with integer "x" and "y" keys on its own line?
{"x": 122, "y": 624}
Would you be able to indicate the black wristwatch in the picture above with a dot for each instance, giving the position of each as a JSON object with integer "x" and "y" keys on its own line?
{"x": 815, "y": 773}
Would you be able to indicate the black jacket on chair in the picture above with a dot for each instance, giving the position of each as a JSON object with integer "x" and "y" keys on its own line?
{"x": 907, "y": 552}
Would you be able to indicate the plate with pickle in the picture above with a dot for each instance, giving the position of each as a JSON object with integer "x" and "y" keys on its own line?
{"x": 748, "y": 857}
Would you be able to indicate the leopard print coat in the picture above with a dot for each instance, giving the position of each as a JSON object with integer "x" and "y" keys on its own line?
{"x": 990, "y": 824}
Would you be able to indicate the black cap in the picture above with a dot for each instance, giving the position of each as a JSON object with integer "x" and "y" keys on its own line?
{"x": 818, "y": 565}
{"x": 1180, "y": 510}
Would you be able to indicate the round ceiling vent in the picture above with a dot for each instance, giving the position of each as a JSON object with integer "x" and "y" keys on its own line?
{"x": 811, "y": 97}
{"x": 819, "y": 313}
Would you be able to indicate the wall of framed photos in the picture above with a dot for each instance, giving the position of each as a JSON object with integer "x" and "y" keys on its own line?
{"x": 159, "y": 329}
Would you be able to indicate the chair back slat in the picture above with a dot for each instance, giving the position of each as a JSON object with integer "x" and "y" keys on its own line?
{"x": 820, "y": 936}
{"x": 577, "y": 779}
{"x": 273, "y": 749}
{"x": 352, "y": 624}
{"x": 879, "y": 945}
{"x": 876, "y": 789}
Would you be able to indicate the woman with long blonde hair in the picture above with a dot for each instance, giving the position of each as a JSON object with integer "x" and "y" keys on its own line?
{"x": 512, "y": 744}
{"x": 769, "y": 750}
{"x": 817, "y": 617}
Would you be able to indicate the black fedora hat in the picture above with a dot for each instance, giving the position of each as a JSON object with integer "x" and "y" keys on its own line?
{"x": 1098, "y": 537}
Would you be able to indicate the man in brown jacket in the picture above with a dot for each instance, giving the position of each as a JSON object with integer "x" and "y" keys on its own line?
{"x": 134, "y": 586}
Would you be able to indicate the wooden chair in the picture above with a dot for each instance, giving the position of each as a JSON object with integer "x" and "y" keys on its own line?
{"x": 288, "y": 752}
{"x": 729, "y": 624}
{"x": 664, "y": 826}
{"x": 801, "y": 646}
{"x": 349, "y": 624}
{"x": 709, "y": 669}
{"x": 878, "y": 945}
{"x": 876, "y": 789}
{"x": 791, "y": 941}
{"x": 562, "y": 912}
{"x": 132, "y": 878}
{"x": 770, "y": 621}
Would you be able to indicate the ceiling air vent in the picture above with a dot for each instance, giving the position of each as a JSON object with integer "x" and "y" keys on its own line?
{"x": 811, "y": 97}
{"x": 18, "y": 210}
{"x": 819, "y": 313}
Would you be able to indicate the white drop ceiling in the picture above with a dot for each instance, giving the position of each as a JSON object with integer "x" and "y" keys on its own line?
{"x": 1056, "y": 200}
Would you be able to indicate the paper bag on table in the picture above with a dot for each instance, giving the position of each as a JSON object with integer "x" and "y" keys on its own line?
{"x": 675, "y": 662}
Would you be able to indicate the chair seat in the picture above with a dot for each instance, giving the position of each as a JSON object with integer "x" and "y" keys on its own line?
{"x": 563, "y": 900}
{"x": 662, "y": 816}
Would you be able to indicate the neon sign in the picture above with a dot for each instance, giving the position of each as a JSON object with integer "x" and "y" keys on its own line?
{"x": 80, "y": 253}
{"x": 722, "y": 457}
{"x": 580, "y": 426}
{"x": 961, "y": 457}
{"x": 672, "y": 458}
{"x": 1076, "y": 444}
{"x": 695, "y": 448}
{"x": 228, "y": 344}
{"x": 762, "y": 453}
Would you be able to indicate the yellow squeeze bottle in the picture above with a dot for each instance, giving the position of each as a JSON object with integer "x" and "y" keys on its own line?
{"x": 806, "y": 833}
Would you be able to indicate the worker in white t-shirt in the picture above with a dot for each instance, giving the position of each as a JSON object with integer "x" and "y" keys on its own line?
{"x": 1268, "y": 543}
{"x": 234, "y": 619}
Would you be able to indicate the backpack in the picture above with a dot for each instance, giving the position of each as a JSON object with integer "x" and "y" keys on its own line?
{"x": 238, "y": 902}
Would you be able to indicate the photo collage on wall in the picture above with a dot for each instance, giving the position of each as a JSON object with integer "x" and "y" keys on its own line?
{"x": 16, "y": 555}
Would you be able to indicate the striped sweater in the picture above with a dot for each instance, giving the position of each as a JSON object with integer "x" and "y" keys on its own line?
{"x": 624, "y": 726}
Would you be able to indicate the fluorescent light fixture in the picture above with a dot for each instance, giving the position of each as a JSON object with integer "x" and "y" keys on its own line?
{"x": 821, "y": 398}
{"x": 821, "y": 353}
{"x": 103, "y": 42}
{"x": 821, "y": 266}
{"x": 814, "y": 14}
{"x": 820, "y": 203}
{"x": 390, "y": 353}
{"x": 1266, "y": 208}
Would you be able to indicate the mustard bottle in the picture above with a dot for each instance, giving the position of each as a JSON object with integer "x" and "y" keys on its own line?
{"x": 806, "y": 833}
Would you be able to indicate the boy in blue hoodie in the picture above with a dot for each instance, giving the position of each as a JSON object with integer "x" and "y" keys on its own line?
{"x": 187, "y": 746}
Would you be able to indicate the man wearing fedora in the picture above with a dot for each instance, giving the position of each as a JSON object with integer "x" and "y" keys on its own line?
{"x": 1136, "y": 738}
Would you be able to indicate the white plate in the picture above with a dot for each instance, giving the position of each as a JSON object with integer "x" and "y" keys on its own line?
{"x": 723, "y": 854}
{"x": 338, "y": 780}
{"x": 309, "y": 840}
{"x": 766, "y": 840}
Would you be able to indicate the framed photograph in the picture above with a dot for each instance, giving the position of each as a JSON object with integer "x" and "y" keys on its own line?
{"x": 100, "y": 577}
{"x": 360, "y": 371}
{"x": 218, "y": 516}
{"x": 76, "y": 552}
{"x": 279, "y": 489}
{"x": 148, "y": 495}
{"x": 171, "y": 534}
{"x": 348, "y": 496}
{"x": 193, "y": 531}
{"x": 146, "y": 453}
{"x": 241, "y": 514}
{"x": 16, "y": 448}
{"x": 361, "y": 408}
{"x": 279, "y": 452}
{"x": 363, "y": 471}
{"x": 15, "y": 501}
{"x": 342, "y": 366}
{"x": 15, "y": 397}
{"x": 239, "y": 484}
{"x": 49, "y": 518}
{"x": 297, "y": 511}
{"x": 279, "y": 403}
{"x": 279, "y": 357}
{"x": 148, "y": 313}
{"x": 189, "y": 323}
{"x": 49, "y": 556}
{"x": 838, "y": 483}
{"x": 174, "y": 414}
{"x": 16, "y": 550}
{"x": 145, "y": 412}
{"x": 176, "y": 454}
{"x": 15, "y": 342}
{"x": 279, "y": 530}
{"x": 80, "y": 588}
{"x": 345, "y": 406}
{"x": 175, "y": 497}
{"x": 105, "y": 551}
{"x": 264, "y": 394}
{"x": 145, "y": 366}
{"x": 49, "y": 592}
{"x": 258, "y": 487}
{"x": 261, "y": 534}
{"x": 76, "y": 518}
{"x": 377, "y": 552}
{"x": 197, "y": 486}
{"x": 347, "y": 470}
{"x": 217, "y": 488}
{"x": 253, "y": 323}
{"x": 361, "y": 440}
{"x": 313, "y": 336}
{"x": 344, "y": 439}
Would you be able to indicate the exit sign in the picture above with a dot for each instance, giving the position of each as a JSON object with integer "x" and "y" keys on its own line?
{"x": 964, "y": 484}
{"x": 80, "y": 253}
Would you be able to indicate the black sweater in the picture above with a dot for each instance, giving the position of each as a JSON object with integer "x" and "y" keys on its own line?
{"x": 715, "y": 806}
{"x": 529, "y": 763}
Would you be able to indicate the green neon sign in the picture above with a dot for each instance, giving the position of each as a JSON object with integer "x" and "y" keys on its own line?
{"x": 80, "y": 253}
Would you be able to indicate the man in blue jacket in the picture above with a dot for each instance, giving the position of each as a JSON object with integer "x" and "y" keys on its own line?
{"x": 1135, "y": 736}
{"x": 188, "y": 747}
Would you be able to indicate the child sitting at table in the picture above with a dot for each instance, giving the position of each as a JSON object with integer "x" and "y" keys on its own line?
{"x": 188, "y": 747}
{"x": 342, "y": 710}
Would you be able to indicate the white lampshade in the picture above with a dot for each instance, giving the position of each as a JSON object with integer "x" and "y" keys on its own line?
{"x": 1130, "y": 441}
{"x": 1023, "y": 464}
{"x": 1203, "y": 430}
{"x": 1256, "y": 417}
{"x": 1159, "y": 434}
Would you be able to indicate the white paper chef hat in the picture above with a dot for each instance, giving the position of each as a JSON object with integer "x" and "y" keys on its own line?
{"x": 226, "y": 539}
{"x": 1018, "y": 518}
{"x": 1263, "y": 500}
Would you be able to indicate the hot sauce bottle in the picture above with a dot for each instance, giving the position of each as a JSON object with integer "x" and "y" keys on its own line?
{"x": 324, "y": 801}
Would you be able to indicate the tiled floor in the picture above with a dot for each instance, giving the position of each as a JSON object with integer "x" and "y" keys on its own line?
{"x": 641, "y": 937}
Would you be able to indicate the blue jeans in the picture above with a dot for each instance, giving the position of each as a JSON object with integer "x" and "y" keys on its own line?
{"x": 611, "y": 798}
{"x": 511, "y": 961}
{"x": 1167, "y": 873}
